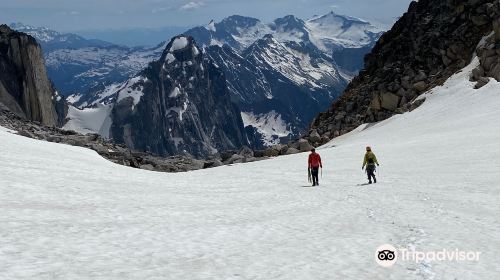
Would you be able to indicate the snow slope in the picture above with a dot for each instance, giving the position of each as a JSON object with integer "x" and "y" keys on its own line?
{"x": 69, "y": 214}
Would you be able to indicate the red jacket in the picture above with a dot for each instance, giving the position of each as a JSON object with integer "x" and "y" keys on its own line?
{"x": 314, "y": 160}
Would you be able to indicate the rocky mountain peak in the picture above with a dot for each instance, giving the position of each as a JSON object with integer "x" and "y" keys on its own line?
{"x": 237, "y": 21}
{"x": 179, "y": 104}
{"x": 181, "y": 49}
{"x": 289, "y": 22}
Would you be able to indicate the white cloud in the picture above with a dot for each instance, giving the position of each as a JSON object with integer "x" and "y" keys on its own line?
{"x": 191, "y": 6}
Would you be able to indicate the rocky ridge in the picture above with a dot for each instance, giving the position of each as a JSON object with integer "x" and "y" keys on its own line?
{"x": 118, "y": 153}
{"x": 428, "y": 44}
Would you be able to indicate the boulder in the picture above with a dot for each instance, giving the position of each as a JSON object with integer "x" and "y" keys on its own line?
{"x": 480, "y": 20}
{"x": 389, "y": 101}
{"x": 477, "y": 73}
{"x": 225, "y": 155}
{"x": 25, "y": 133}
{"x": 375, "y": 104}
{"x": 212, "y": 164}
{"x": 283, "y": 149}
{"x": 259, "y": 153}
{"x": 495, "y": 72}
{"x": 314, "y": 137}
{"x": 481, "y": 82}
{"x": 292, "y": 151}
{"x": 488, "y": 63}
{"x": 420, "y": 86}
{"x": 148, "y": 167}
{"x": 236, "y": 158}
{"x": 304, "y": 145}
{"x": 415, "y": 104}
{"x": 246, "y": 152}
{"x": 271, "y": 152}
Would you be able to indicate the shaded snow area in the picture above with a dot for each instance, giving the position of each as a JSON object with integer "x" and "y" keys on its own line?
{"x": 69, "y": 214}
{"x": 94, "y": 115}
{"x": 270, "y": 125}
{"x": 90, "y": 120}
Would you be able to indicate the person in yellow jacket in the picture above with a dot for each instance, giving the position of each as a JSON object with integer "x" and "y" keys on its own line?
{"x": 370, "y": 161}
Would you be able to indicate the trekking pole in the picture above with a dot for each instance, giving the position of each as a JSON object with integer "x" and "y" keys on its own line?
{"x": 321, "y": 172}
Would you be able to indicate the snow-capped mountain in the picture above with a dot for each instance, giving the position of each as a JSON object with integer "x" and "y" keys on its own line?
{"x": 332, "y": 31}
{"x": 276, "y": 72}
{"x": 328, "y": 32}
{"x": 283, "y": 82}
{"x": 178, "y": 104}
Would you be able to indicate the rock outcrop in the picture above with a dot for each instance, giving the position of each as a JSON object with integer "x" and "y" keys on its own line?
{"x": 488, "y": 52}
{"x": 24, "y": 86}
{"x": 429, "y": 43}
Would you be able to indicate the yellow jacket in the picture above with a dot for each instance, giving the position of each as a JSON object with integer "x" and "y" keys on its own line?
{"x": 370, "y": 159}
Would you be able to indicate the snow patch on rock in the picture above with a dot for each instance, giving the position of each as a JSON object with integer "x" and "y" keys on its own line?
{"x": 179, "y": 44}
{"x": 270, "y": 125}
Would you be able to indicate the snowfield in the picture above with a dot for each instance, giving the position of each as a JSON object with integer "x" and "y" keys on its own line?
{"x": 69, "y": 214}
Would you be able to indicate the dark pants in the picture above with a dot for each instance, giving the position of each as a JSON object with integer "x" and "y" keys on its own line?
{"x": 314, "y": 173}
{"x": 370, "y": 170}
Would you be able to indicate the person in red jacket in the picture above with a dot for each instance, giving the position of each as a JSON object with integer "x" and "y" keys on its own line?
{"x": 314, "y": 163}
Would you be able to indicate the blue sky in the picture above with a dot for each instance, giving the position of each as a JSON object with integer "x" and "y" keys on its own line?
{"x": 71, "y": 15}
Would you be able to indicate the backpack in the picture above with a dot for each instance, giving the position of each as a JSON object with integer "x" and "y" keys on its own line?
{"x": 371, "y": 158}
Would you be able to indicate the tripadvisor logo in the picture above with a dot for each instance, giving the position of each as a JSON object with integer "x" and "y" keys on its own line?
{"x": 387, "y": 255}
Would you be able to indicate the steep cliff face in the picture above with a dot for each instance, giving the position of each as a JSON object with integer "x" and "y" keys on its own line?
{"x": 24, "y": 86}
{"x": 429, "y": 43}
{"x": 180, "y": 104}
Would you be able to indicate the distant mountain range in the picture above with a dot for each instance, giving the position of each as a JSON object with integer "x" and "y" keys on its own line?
{"x": 79, "y": 65}
{"x": 280, "y": 74}
{"x": 133, "y": 37}
{"x": 51, "y": 40}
